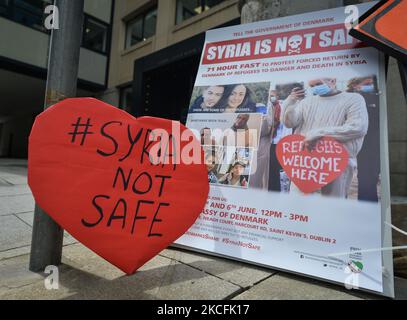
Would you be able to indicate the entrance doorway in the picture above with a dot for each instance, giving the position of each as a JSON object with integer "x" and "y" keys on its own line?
{"x": 167, "y": 90}
{"x": 164, "y": 80}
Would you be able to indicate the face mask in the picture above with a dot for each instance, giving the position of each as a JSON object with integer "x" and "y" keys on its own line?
{"x": 273, "y": 99}
{"x": 321, "y": 90}
{"x": 367, "y": 88}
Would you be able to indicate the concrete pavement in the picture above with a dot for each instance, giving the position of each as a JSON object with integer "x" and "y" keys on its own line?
{"x": 174, "y": 274}
{"x": 16, "y": 209}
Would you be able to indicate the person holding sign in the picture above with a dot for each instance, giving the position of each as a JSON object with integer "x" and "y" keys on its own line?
{"x": 328, "y": 112}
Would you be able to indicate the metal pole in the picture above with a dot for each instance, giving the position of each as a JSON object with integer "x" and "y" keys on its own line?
{"x": 63, "y": 61}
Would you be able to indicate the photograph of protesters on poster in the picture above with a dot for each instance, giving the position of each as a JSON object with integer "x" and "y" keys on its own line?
{"x": 208, "y": 99}
{"x": 234, "y": 130}
{"x": 228, "y": 166}
{"x": 344, "y": 109}
{"x": 267, "y": 174}
{"x": 368, "y": 172}
{"x": 239, "y": 134}
{"x": 212, "y": 162}
{"x": 235, "y": 176}
{"x": 206, "y": 137}
{"x": 235, "y": 167}
{"x": 232, "y": 98}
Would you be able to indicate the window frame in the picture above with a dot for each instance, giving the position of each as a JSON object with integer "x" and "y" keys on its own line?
{"x": 141, "y": 15}
{"x": 10, "y": 16}
{"x": 12, "y": 9}
{"x": 202, "y": 5}
{"x": 88, "y": 17}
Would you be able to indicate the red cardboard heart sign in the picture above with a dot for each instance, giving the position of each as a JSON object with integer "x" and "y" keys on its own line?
{"x": 312, "y": 170}
{"x": 118, "y": 184}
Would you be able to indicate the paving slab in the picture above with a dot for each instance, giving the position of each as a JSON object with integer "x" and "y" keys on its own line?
{"x": 15, "y": 179}
{"x": 160, "y": 278}
{"x": 14, "y": 273}
{"x": 68, "y": 239}
{"x": 13, "y": 170}
{"x": 10, "y": 190}
{"x": 241, "y": 274}
{"x": 4, "y": 182}
{"x": 10, "y": 253}
{"x": 14, "y": 233}
{"x": 82, "y": 258}
{"x": 16, "y": 204}
{"x": 27, "y": 217}
{"x": 5, "y": 162}
{"x": 25, "y": 250}
{"x": 288, "y": 287}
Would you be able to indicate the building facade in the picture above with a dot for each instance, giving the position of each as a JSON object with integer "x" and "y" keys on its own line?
{"x": 143, "y": 28}
{"x": 24, "y": 49}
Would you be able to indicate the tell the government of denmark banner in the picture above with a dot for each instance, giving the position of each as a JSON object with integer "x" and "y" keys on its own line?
{"x": 290, "y": 113}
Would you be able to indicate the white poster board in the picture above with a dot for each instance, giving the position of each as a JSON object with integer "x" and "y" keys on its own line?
{"x": 260, "y": 89}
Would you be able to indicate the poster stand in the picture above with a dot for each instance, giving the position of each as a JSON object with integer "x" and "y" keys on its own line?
{"x": 291, "y": 255}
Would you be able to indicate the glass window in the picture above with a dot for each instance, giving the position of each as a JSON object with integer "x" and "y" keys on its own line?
{"x": 30, "y": 13}
{"x": 5, "y": 7}
{"x": 134, "y": 32}
{"x": 95, "y": 35}
{"x": 141, "y": 28}
{"x": 189, "y": 8}
{"x": 27, "y": 12}
{"x": 150, "y": 23}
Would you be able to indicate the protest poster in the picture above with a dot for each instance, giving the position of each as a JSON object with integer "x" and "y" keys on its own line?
{"x": 117, "y": 184}
{"x": 291, "y": 113}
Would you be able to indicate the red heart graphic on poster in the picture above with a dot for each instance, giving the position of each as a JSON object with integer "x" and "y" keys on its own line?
{"x": 312, "y": 170}
{"x": 118, "y": 184}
